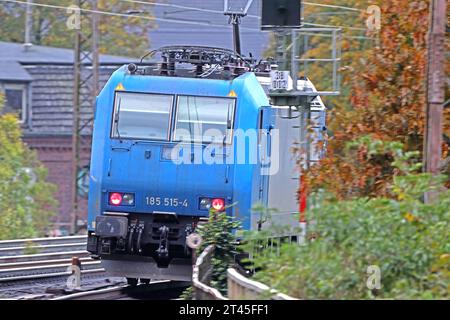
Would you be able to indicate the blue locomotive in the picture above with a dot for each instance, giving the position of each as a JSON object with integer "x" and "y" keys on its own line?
{"x": 174, "y": 140}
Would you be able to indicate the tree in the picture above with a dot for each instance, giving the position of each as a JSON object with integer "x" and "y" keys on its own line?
{"x": 127, "y": 36}
{"x": 26, "y": 200}
{"x": 364, "y": 248}
{"x": 382, "y": 93}
{"x": 386, "y": 99}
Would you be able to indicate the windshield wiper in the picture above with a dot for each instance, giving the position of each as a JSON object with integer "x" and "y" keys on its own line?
{"x": 229, "y": 126}
{"x": 116, "y": 120}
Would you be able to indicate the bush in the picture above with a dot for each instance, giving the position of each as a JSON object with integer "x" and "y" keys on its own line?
{"x": 220, "y": 232}
{"x": 406, "y": 239}
{"x": 26, "y": 200}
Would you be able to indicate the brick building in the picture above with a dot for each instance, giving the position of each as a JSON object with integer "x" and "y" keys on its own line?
{"x": 38, "y": 85}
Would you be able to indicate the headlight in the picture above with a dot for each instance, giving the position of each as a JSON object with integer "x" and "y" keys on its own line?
{"x": 205, "y": 204}
{"x": 121, "y": 199}
{"x": 217, "y": 204}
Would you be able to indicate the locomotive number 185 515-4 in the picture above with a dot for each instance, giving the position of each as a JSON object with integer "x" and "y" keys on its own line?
{"x": 166, "y": 202}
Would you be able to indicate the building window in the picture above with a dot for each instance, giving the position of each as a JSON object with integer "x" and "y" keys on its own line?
{"x": 16, "y": 100}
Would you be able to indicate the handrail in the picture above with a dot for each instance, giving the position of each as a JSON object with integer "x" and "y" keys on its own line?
{"x": 240, "y": 287}
{"x": 202, "y": 291}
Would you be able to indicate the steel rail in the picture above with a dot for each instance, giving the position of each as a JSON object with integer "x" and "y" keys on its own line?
{"x": 44, "y": 256}
{"x": 68, "y": 261}
{"x": 48, "y": 248}
{"x": 23, "y": 242}
{"x": 48, "y": 275}
{"x": 100, "y": 294}
{"x": 125, "y": 291}
{"x": 41, "y": 271}
{"x": 45, "y": 267}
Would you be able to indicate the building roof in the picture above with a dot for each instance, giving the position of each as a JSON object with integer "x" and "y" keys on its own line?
{"x": 13, "y": 57}
{"x": 10, "y": 51}
{"x": 13, "y": 71}
{"x": 218, "y": 34}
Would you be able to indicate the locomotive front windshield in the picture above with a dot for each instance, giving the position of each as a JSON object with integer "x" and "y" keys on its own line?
{"x": 142, "y": 116}
{"x": 204, "y": 119}
{"x": 149, "y": 116}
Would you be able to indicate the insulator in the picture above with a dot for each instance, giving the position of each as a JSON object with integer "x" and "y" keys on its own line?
{"x": 199, "y": 70}
{"x": 171, "y": 65}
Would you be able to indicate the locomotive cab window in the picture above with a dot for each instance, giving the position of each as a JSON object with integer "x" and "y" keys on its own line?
{"x": 142, "y": 116}
{"x": 204, "y": 119}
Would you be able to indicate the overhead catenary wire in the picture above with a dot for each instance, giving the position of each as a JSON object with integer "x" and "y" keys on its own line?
{"x": 168, "y": 5}
{"x": 332, "y": 6}
{"x": 333, "y": 26}
{"x": 176, "y": 6}
{"x": 125, "y": 15}
{"x": 150, "y": 18}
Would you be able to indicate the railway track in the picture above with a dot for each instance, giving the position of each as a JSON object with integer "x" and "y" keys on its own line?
{"x": 33, "y": 269}
{"x": 158, "y": 290}
{"x": 42, "y": 245}
{"x": 44, "y": 257}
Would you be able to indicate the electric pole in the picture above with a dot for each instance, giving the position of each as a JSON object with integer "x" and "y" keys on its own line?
{"x": 435, "y": 89}
{"x": 86, "y": 77}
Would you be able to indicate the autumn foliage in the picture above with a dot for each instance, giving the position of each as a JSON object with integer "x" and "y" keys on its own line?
{"x": 386, "y": 100}
{"x": 119, "y": 35}
{"x": 26, "y": 199}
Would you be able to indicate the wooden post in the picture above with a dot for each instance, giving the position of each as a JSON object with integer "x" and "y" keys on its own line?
{"x": 84, "y": 92}
{"x": 435, "y": 90}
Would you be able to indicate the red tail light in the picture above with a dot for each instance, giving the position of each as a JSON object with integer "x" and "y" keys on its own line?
{"x": 218, "y": 204}
{"x": 115, "y": 199}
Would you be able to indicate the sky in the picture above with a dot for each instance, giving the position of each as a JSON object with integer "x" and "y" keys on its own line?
{"x": 168, "y": 33}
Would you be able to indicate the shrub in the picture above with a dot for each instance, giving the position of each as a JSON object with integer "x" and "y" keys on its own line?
{"x": 26, "y": 199}
{"x": 220, "y": 232}
{"x": 406, "y": 239}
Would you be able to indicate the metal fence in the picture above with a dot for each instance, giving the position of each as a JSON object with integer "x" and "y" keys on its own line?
{"x": 239, "y": 287}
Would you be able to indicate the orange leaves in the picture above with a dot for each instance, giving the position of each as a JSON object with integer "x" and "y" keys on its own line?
{"x": 362, "y": 154}
{"x": 371, "y": 79}
{"x": 386, "y": 98}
